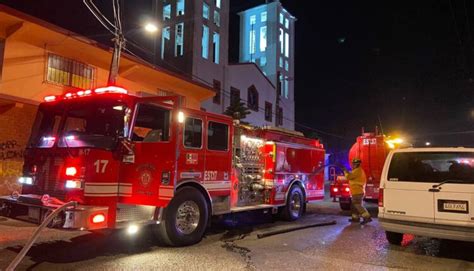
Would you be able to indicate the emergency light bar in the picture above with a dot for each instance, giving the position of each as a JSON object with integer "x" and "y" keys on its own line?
{"x": 82, "y": 93}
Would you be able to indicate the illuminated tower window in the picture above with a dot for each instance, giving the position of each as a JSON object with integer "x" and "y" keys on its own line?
{"x": 215, "y": 47}
{"x": 253, "y": 19}
{"x": 263, "y": 16}
{"x": 205, "y": 42}
{"x": 167, "y": 12}
{"x": 282, "y": 44}
{"x": 205, "y": 11}
{"x": 252, "y": 42}
{"x": 179, "y": 7}
{"x": 218, "y": 3}
{"x": 217, "y": 18}
{"x": 263, "y": 38}
{"x": 179, "y": 36}
{"x": 287, "y": 45}
{"x": 165, "y": 37}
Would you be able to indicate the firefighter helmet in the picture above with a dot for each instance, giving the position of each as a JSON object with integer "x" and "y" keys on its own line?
{"x": 356, "y": 161}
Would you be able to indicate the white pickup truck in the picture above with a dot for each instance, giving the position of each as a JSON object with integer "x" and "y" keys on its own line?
{"x": 428, "y": 192}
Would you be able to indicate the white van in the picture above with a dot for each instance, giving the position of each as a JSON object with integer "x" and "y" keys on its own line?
{"x": 428, "y": 192}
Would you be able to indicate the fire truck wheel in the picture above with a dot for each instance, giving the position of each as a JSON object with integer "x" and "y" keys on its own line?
{"x": 345, "y": 206}
{"x": 294, "y": 204}
{"x": 394, "y": 238}
{"x": 185, "y": 219}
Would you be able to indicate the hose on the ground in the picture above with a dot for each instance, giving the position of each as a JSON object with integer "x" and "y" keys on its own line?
{"x": 38, "y": 230}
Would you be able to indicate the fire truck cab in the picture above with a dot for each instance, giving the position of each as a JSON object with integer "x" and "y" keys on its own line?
{"x": 129, "y": 161}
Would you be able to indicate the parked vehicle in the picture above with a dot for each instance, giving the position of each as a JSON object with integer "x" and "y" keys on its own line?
{"x": 372, "y": 149}
{"x": 428, "y": 192}
{"x": 129, "y": 161}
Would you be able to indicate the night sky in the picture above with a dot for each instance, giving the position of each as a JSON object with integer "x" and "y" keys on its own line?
{"x": 404, "y": 65}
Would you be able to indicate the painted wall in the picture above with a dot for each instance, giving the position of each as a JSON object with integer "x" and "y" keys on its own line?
{"x": 242, "y": 77}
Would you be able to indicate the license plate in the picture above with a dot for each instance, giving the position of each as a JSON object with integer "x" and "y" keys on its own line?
{"x": 453, "y": 206}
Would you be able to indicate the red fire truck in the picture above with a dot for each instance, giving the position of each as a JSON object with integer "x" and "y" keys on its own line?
{"x": 372, "y": 149}
{"x": 129, "y": 161}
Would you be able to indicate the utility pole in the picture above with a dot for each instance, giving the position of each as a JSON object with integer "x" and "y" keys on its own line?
{"x": 115, "y": 64}
{"x": 119, "y": 41}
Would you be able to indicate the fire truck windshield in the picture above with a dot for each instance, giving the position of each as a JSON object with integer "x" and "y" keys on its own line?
{"x": 76, "y": 124}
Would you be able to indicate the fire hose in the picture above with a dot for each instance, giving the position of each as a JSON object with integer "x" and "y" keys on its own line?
{"x": 38, "y": 230}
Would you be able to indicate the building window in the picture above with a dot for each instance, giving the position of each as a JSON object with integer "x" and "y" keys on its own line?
{"x": 281, "y": 62}
{"x": 215, "y": 47}
{"x": 252, "y": 42}
{"x": 279, "y": 116}
{"x": 286, "y": 85}
{"x": 263, "y": 61}
{"x": 217, "y": 89}
{"x": 252, "y": 99}
{"x": 263, "y": 38}
{"x": 287, "y": 66}
{"x": 193, "y": 133}
{"x": 218, "y": 3}
{"x": 287, "y": 45}
{"x": 253, "y": 19}
{"x": 282, "y": 44}
{"x": 234, "y": 96}
{"x": 217, "y": 18}
{"x": 179, "y": 48}
{"x": 165, "y": 37}
{"x": 167, "y": 12}
{"x": 268, "y": 111}
{"x": 205, "y": 11}
{"x": 205, "y": 42}
{"x": 281, "y": 18}
{"x": 217, "y": 136}
{"x": 287, "y": 23}
{"x": 179, "y": 7}
{"x": 263, "y": 16}
{"x": 69, "y": 72}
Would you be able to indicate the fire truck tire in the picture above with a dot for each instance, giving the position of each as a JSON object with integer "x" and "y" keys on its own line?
{"x": 394, "y": 238}
{"x": 345, "y": 206}
{"x": 294, "y": 204}
{"x": 185, "y": 219}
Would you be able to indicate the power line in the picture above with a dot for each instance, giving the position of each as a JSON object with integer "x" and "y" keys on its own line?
{"x": 228, "y": 94}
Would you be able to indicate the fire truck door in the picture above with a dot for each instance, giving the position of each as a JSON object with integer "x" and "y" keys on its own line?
{"x": 148, "y": 180}
{"x": 218, "y": 158}
{"x": 192, "y": 154}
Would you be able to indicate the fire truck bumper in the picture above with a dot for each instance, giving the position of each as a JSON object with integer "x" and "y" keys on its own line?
{"x": 30, "y": 208}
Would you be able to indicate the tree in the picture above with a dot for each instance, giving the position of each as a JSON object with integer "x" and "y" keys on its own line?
{"x": 237, "y": 110}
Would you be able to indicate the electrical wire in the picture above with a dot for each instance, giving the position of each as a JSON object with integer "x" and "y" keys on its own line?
{"x": 98, "y": 17}
{"x": 228, "y": 95}
{"x": 91, "y": 2}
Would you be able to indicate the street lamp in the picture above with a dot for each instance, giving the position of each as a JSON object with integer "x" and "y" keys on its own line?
{"x": 427, "y": 144}
{"x": 151, "y": 28}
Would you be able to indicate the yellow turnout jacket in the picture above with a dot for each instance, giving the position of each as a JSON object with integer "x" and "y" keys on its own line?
{"x": 357, "y": 180}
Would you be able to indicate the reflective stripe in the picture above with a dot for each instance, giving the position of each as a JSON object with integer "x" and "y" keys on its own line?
{"x": 166, "y": 192}
{"x": 218, "y": 185}
{"x": 107, "y": 189}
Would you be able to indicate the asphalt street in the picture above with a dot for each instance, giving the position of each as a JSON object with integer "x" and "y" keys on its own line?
{"x": 232, "y": 244}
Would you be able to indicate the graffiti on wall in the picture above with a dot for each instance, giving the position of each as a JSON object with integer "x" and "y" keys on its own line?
{"x": 10, "y": 150}
{"x": 11, "y": 165}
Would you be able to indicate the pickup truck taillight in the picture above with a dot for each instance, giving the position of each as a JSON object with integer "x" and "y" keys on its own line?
{"x": 381, "y": 197}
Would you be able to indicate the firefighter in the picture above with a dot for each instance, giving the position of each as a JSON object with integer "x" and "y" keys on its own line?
{"x": 357, "y": 181}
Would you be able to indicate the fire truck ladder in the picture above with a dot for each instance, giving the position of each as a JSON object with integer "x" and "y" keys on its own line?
{"x": 40, "y": 228}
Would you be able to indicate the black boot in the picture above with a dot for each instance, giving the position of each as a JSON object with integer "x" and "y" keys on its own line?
{"x": 366, "y": 220}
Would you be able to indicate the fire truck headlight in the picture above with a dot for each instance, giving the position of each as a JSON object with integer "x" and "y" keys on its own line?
{"x": 72, "y": 184}
{"x": 25, "y": 180}
{"x": 132, "y": 229}
{"x": 181, "y": 117}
